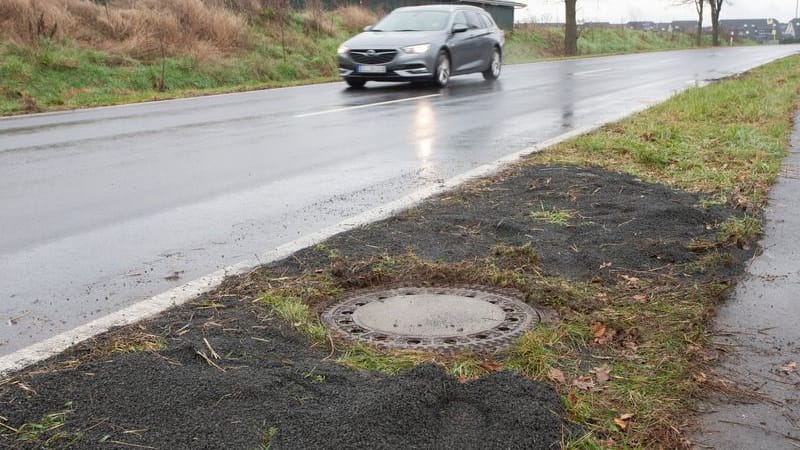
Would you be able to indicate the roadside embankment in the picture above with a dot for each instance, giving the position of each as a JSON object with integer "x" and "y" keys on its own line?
{"x": 78, "y": 53}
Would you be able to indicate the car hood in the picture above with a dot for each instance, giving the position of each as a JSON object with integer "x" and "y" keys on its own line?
{"x": 392, "y": 39}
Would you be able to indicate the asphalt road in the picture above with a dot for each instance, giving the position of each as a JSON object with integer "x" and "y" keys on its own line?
{"x": 105, "y": 207}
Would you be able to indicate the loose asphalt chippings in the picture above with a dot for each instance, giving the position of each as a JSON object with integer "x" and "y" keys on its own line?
{"x": 223, "y": 373}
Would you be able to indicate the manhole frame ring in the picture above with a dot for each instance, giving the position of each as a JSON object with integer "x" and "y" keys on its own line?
{"x": 495, "y": 340}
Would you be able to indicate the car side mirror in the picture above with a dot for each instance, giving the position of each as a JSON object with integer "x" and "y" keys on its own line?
{"x": 460, "y": 28}
{"x": 368, "y": 27}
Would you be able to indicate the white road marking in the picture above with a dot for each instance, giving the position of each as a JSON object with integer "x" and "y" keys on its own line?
{"x": 665, "y": 61}
{"x": 368, "y": 105}
{"x": 182, "y": 294}
{"x": 588, "y": 72}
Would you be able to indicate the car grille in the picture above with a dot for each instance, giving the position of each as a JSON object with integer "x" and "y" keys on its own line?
{"x": 372, "y": 56}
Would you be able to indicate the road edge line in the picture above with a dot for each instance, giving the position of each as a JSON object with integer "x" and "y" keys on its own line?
{"x": 179, "y": 295}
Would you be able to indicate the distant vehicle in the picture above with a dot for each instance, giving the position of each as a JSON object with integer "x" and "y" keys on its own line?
{"x": 424, "y": 43}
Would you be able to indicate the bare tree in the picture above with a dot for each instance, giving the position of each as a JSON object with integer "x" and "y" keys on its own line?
{"x": 571, "y": 28}
{"x": 716, "y": 8}
{"x": 699, "y": 6}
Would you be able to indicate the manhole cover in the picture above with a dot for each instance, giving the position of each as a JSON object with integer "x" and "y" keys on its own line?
{"x": 432, "y": 318}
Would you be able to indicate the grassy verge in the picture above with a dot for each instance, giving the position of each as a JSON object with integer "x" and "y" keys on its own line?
{"x": 76, "y": 54}
{"x": 532, "y": 43}
{"x": 630, "y": 348}
{"x": 725, "y": 140}
{"x": 628, "y": 358}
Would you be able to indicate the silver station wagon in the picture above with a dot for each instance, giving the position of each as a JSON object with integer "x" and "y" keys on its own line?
{"x": 424, "y": 43}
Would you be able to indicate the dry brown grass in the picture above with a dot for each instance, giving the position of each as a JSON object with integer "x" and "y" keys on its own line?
{"x": 142, "y": 28}
{"x": 315, "y": 20}
{"x": 250, "y": 7}
{"x": 354, "y": 18}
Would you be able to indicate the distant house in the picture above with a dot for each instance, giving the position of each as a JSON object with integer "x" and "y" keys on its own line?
{"x": 596, "y": 25}
{"x": 792, "y": 29}
{"x": 759, "y": 30}
{"x": 684, "y": 26}
{"x": 641, "y": 25}
{"x": 663, "y": 27}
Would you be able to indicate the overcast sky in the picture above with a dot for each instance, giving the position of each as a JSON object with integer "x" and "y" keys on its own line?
{"x": 656, "y": 10}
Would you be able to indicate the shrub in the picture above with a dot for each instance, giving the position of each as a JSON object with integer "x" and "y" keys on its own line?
{"x": 144, "y": 28}
{"x": 355, "y": 18}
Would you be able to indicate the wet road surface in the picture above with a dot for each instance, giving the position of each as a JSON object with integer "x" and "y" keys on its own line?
{"x": 103, "y": 208}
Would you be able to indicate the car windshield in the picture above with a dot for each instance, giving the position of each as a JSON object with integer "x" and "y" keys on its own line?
{"x": 413, "y": 21}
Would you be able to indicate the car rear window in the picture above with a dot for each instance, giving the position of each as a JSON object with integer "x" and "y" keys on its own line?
{"x": 413, "y": 21}
{"x": 488, "y": 20}
{"x": 460, "y": 19}
{"x": 473, "y": 21}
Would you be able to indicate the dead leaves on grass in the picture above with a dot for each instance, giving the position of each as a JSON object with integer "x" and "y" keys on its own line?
{"x": 602, "y": 334}
{"x": 602, "y": 374}
{"x": 622, "y": 421}
{"x": 594, "y": 381}
{"x": 584, "y": 383}
{"x": 556, "y": 376}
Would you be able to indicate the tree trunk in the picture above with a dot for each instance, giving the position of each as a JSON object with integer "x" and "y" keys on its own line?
{"x": 571, "y": 29}
{"x": 716, "y": 7}
{"x": 715, "y": 30}
{"x": 699, "y": 6}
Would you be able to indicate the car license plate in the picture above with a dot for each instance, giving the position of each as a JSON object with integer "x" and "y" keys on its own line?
{"x": 371, "y": 69}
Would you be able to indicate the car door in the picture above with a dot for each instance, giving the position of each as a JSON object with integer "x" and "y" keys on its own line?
{"x": 460, "y": 44}
{"x": 480, "y": 41}
{"x": 491, "y": 36}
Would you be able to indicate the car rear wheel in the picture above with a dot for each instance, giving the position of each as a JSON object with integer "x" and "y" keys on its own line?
{"x": 493, "y": 72}
{"x": 442, "y": 70}
{"x": 355, "y": 82}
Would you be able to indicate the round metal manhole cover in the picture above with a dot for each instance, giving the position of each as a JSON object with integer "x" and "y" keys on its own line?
{"x": 432, "y": 318}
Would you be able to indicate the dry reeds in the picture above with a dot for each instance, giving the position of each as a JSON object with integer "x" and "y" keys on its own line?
{"x": 142, "y": 28}
{"x": 354, "y": 18}
{"x": 315, "y": 21}
{"x": 152, "y": 29}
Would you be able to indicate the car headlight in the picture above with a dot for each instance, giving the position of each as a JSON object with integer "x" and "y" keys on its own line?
{"x": 342, "y": 50}
{"x": 417, "y": 49}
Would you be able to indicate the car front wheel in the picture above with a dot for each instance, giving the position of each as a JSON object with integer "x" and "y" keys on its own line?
{"x": 355, "y": 82}
{"x": 493, "y": 72}
{"x": 442, "y": 70}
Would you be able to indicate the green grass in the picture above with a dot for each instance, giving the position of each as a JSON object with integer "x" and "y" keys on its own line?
{"x": 266, "y": 438}
{"x": 541, "y": 349}
{"x": 725, "y": 140}
{"x": 49, "y": 433}
{"x": 620, "y": 40}
{"x": 535, "y": 43}
{"x": 464, "y": 366}
{"x": 298, "y": 315}
{"x": 362, "y": 357}
{"x": 553, "y": 217}
{"x": 739, "y": 231}
{"x": 58, "y": 75}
